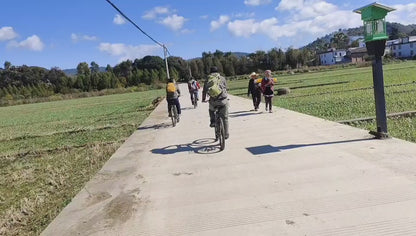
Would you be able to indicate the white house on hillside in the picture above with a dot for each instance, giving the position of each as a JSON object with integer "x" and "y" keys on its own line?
{"x": 402, "y": 48}
{"x": 332, "y": 56}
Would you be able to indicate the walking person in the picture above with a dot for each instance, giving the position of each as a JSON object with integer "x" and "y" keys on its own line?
{"x": 267, "y": 87}
{"x": 172, "y": 96}
{"x": 216, "y": 88}
{"x": 255, "y": 90}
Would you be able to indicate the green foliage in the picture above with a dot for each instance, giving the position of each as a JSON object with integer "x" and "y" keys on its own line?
{"x": 340, "y": 41}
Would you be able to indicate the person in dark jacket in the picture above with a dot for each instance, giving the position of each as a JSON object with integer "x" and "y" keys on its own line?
{"x": 255, "y": 90}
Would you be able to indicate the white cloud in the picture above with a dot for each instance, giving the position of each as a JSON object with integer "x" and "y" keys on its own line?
{"x": 131, "y": 52}
{"x": 289, "y": 5}
{"x": 313, "y": 27}
{"x": 33, "y": 43}
{"x": 404, "y": 14}
{"x": 257, "y": 2}
{"x": 306, "y": 18}
{"x": 315, "y": 9}
{"x": 174, "y": 22}
{"x": 187, "y": 31}
{"x": 78, "y": 37}
{"x": 7, "y": 33}
{"x": 223, "y": 19}
{"x": 268, "y": 27}
{"x": 119, "y": 20}
{"x": 244, "y": 28}
{"x": 243, "y": 15}
{"x": 301, "y": 9}
{"x": 155, "y": 12}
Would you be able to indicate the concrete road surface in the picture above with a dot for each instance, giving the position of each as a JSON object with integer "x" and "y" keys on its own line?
{"x": 281, "y": 173}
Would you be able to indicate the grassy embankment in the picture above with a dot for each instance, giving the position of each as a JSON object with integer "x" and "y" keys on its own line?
{"x": 344, "y": 94}
{"x": 48, "y": 151}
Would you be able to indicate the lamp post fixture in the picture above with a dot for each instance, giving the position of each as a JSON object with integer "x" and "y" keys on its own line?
{"x": 375, "y": 36}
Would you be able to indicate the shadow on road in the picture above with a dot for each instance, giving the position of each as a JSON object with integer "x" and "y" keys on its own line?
{"x": 243, "y": 113}
{"x": 265, "y": 149}
{"x": 157, "y": 126}
{"x": 187, "y": 108}
{"x": 200, "y": 146}
{"x": 238, "y": 112}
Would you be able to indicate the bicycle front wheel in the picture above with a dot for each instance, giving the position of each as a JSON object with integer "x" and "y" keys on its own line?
{"x": 221, "y": 133}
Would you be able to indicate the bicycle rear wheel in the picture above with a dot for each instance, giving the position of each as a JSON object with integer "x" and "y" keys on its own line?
{"x": 174, "y": 115}
{"x": 221, "y": 133}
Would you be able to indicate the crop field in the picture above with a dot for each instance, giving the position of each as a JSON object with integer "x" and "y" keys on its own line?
{"x": 345, "y": 94}
{"x": 48, "y": 151}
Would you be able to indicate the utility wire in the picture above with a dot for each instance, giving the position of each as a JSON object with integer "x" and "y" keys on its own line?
{"x": 121, "y": 13}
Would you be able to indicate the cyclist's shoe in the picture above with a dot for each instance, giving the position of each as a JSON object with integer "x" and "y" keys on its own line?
{"x": 212, "y": 125}
{"x": 178, "y": 118}
{"x": 227, "y": 136}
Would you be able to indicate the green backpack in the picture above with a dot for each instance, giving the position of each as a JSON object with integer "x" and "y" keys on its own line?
{"x": 213, "y": 86}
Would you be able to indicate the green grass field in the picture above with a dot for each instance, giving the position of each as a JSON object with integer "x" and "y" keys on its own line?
{"x": 344, "y": 94}
{"x": 48, "y": 151}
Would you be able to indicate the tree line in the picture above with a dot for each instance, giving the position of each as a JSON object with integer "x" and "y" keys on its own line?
{"x": 20, "y": 82}
{"x": 17, "y": 82}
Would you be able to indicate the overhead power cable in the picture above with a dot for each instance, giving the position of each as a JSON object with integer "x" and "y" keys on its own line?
{"x": 165, "y": 49}
{"x": 121, "y": 13}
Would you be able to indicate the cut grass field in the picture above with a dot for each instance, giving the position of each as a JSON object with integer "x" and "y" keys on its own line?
{"x": 48, "y": 151}
{"x": 344, "y": 94}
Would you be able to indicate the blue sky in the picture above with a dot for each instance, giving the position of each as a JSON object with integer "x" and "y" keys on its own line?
{"x": 55, "y": 33}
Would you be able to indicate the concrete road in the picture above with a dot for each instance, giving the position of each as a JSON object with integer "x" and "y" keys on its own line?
{"x": 281, "y": 173}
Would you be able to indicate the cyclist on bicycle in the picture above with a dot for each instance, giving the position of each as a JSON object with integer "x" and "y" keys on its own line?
{"x": 172, "y": 96}
{"x": 193, "y": 87}
{"x": 216, "y": 87}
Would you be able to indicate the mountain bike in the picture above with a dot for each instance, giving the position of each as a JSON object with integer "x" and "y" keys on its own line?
{"x": 195, "y": 99}
{"x": 173, "y": 112}
{"x": 219, "y": 129}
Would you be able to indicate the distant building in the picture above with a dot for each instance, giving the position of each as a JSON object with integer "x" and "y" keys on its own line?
{"x": 332, "y": 56}
{"x": 402, "y": 48}
{"x": 357, "y": 55}
{"x": 398, "y": 48}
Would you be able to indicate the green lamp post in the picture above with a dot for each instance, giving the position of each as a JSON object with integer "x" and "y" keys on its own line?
{"x": 375, "y": 36}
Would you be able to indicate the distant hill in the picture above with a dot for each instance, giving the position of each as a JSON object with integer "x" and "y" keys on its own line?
{"x": 72, "y": 72}
{"x": 394, "y": 30}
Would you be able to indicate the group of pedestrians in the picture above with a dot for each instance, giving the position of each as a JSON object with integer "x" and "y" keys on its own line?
{"x": 258, "y": 86}
{"x": 215, "y": 87}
